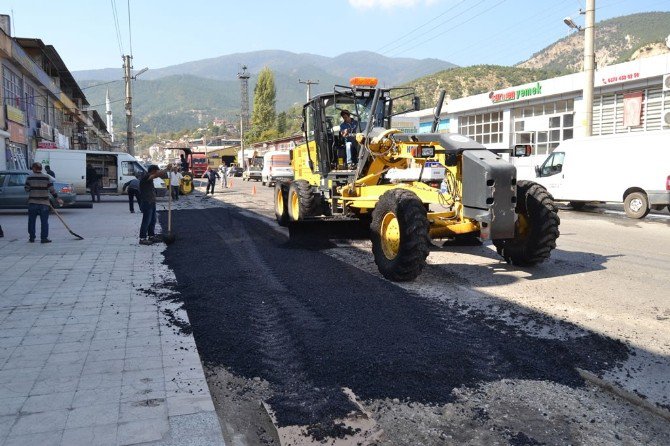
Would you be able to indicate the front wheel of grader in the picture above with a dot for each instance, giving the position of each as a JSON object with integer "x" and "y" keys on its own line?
{"x": 536, "y": 228}
{"x": 400, "y": 235}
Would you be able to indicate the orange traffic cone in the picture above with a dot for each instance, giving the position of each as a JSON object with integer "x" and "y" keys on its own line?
{"x": 253, "y": 190}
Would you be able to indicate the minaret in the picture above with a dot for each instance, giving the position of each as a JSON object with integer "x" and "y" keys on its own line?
{"x": 110, "y": 118}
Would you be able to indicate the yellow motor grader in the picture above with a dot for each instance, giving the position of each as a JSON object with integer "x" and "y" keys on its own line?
{"x": 409, "y": 187}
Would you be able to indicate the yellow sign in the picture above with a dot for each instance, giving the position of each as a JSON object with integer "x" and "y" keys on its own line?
{"x": 15, "y": 114}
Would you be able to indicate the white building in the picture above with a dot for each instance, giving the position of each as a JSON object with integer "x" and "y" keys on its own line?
{"x": 628, "y": 97}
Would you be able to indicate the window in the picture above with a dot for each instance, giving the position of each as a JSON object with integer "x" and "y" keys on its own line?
{"x": 12, "y": 85}
{"x": 131, "y": 168}
{"x": 485, "y": 128}
{"x": 17, "y": 180}
{"x": 553, "y": 165}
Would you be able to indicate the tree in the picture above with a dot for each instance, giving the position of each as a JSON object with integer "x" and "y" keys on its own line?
{"x": 265, "y": 97}
{"x": 281, "y": 123}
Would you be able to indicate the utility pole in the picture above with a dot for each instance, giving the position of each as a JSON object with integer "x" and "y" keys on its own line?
{"x": 309, "y": 84}
{"x": 589, "y": 64}
{"x": 130, "y": 142}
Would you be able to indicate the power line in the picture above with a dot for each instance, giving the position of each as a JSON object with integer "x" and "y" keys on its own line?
{"x": 434, "y": 27}
{"x": 420, "y": 26}
{"x": 456, "y": 26}
{"x": 116, "y": 27}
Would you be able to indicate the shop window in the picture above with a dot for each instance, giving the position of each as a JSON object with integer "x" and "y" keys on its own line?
{"x": 554, "y": 122}
{"x": 567, "y": 134}
{"x": 568, "y": 120}
{"x": 484, "y": 128}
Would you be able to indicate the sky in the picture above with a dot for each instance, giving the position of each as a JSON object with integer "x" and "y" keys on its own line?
{"x": 168, "y": 32}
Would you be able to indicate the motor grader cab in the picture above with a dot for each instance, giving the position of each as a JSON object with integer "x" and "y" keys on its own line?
{"x": 410, "y": 188}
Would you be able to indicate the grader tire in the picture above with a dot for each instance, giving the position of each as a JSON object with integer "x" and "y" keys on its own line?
{"x": 281, "y": 204}
{"x": 400, "y": 235}
{"x": 302, "y": 201}
{"x": 536, "y": 229}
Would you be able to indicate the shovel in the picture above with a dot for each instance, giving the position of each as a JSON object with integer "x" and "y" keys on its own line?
{"x": 79, "y": 237}
{"x": 169, "y": 237}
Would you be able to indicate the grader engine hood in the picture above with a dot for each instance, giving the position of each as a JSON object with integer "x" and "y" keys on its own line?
{"x": 489, "y": 193}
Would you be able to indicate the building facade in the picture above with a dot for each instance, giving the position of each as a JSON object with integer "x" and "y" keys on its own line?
{"x": 628, "y": 97}
{"x": 42, "y": 105}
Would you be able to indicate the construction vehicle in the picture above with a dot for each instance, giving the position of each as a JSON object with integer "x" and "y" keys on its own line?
{"x": 409, "y": 188}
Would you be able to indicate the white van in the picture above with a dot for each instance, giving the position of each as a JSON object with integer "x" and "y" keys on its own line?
{"x": 276, "y": 166}
{"x": 116, "y": 168}
{"x": 633, "y": 169}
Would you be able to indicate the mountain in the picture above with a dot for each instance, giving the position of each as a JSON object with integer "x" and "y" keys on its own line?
{"x": 189, "y": 94}
{"x": 616, "y": 41}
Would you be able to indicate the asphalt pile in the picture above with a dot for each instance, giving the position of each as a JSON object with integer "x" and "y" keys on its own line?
{"x": 310, "y": 325}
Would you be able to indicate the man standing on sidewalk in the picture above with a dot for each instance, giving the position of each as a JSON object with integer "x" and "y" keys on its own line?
{"x": 148, "y": 204}
{"x": 93, "y": 182}
{"x": 39, "y": 186}
{"x": 133, "y": 187}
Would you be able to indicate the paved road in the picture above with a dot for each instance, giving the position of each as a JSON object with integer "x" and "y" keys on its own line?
{"x": 475, "y": 351}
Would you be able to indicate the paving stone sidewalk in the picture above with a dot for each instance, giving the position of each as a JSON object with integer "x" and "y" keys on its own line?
{"x": 86, "y": 356}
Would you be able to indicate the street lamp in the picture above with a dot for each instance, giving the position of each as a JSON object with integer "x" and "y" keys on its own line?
{"x": 568, "y": 21}
{"x": 589, "y": 60}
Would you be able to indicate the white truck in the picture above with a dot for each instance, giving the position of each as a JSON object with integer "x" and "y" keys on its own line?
{"x": 116, "y": 168}
{"x": 276, "y": 166}
{"x": 633, "y": 169}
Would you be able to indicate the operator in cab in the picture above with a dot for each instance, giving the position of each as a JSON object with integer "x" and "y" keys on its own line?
{"x": 348, "y": 129}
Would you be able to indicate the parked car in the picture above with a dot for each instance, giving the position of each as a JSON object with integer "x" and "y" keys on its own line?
{"x": 13, "y": 194}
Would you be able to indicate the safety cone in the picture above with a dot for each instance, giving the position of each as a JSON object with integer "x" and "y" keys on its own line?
{"x": 253, "y": 190}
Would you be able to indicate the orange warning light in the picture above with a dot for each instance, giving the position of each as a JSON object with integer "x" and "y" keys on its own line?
{"x": 363, "y": 81}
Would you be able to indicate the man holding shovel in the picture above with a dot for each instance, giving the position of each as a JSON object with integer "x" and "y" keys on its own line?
{"x": 148, "y": 204}
{"x": 39, "y": 187}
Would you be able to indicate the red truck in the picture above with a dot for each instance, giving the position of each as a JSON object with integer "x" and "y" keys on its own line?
{"x": 198, "y": 163}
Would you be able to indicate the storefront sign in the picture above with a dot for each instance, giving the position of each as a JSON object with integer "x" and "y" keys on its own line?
{"x": 16, "y": 133}
{"x": 513, "y": 95}
{"x": 47, "y": 145}
{"x": 620, "y": 78}
{"x": 45, "y": 131}
{"x": 632, "y": 109}
{"x": 15, "y": 114}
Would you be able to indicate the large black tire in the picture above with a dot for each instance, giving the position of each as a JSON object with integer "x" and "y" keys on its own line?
{"x": 303, "y": 201}
{"x": 636, "y": 205}
{"x": 281, "y": 204}
{"x": 400, "y": 235}
{"x": 536, "y": 229}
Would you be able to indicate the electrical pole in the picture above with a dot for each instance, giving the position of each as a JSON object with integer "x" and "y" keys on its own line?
{"x": 309, "y": 84}
{"x": 129, "y": 106}
{"x": 589, "y": 64}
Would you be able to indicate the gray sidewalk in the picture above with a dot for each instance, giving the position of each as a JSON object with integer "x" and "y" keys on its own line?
{"x": 87, "y": 357}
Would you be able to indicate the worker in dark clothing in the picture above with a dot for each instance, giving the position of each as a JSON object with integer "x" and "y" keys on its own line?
{"x": 93, "y": 182}
{"x": 148, "y": 204}
{"x": 47, "y": 169}
{"x": 211, "y": 176}
{"x": 133, "y": 187}
{"x": 184, "y": 163}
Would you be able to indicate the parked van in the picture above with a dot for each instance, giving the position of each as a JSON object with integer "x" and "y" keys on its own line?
{"x": 116, "y": 168}
{"x": 633, "y": 169}
{"x": 276, "y": 166}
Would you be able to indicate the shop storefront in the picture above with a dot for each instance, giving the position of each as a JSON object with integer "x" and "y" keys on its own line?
{"x": 629, "y": 97}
